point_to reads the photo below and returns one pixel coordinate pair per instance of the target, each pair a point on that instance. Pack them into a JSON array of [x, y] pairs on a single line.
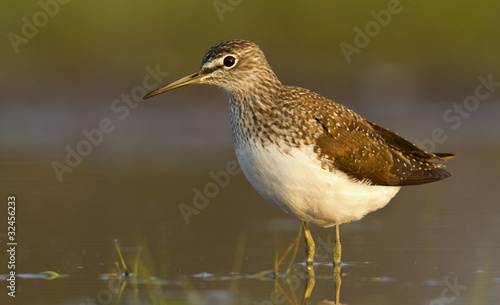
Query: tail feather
[[445, 156]]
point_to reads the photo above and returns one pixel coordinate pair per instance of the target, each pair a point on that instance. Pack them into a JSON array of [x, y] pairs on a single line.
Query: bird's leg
[[337, 251], [310, 247]]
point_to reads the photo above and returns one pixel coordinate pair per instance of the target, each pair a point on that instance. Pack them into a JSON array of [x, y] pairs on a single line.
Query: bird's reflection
[[308, 274], [311, 281]]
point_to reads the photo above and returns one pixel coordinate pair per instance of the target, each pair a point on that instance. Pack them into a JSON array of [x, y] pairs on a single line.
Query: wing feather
[[369, 152]]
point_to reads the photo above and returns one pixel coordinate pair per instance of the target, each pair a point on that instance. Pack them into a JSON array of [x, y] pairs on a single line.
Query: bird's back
[[341, 138], [364, 150]]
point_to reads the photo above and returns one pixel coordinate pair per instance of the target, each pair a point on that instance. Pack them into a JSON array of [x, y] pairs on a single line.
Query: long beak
[[194, 78]]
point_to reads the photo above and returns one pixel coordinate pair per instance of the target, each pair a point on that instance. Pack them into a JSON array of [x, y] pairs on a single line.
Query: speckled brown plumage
[[343, 140], [264, 110]]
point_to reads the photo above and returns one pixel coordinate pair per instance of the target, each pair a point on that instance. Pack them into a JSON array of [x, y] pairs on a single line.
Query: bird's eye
[[229, 61]]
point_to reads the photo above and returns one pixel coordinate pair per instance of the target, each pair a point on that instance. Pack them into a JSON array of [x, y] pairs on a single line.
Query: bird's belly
[[296, 183]]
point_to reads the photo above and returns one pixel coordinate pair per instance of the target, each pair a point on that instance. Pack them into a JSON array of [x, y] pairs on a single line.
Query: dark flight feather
[[368, 152]]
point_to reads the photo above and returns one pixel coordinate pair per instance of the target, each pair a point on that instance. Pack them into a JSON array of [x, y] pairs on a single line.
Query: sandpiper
[[310, 157]]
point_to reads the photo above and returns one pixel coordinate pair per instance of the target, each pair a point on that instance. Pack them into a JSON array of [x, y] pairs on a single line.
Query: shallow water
[[433, 244]]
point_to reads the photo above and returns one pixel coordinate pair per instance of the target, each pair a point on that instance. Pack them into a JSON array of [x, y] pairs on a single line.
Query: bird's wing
[[368, 152], [399, 143]]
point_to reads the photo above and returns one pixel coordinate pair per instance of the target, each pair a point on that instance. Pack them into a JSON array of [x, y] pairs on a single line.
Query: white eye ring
[[229, 61]]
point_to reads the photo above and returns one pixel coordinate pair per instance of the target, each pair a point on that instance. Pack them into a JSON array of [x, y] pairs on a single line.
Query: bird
[[310, 157]]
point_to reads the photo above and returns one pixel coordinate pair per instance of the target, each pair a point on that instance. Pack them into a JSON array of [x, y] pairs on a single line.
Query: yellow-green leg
[[337, 280], [337, 251], [310, 247]]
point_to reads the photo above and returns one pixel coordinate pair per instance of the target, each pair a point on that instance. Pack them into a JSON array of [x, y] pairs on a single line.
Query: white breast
[[296, 183]]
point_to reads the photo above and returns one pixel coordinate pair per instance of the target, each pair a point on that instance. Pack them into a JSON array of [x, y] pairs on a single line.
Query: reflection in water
[[119, 279], [310, 281], [320, 285]]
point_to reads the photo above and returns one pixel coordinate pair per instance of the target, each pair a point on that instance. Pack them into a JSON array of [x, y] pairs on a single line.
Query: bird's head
[[237, 67]]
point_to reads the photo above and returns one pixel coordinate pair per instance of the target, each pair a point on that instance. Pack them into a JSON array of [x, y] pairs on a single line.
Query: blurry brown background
[[68, 67]]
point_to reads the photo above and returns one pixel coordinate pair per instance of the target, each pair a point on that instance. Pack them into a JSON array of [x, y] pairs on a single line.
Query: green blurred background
[[66, 78], [89, 53]]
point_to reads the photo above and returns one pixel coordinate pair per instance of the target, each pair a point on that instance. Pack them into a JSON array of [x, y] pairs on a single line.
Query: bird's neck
[[254, 92], [259, 118]]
